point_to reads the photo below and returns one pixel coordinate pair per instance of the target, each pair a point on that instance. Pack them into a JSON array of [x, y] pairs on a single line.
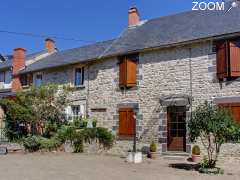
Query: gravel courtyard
[[64, 166]]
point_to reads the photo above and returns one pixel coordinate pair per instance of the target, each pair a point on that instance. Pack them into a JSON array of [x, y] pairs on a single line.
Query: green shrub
[[66, 133], [105, 137], [31, 143], [153, 147], [94, 123], [196, 150], [78, 143], [49, 144]]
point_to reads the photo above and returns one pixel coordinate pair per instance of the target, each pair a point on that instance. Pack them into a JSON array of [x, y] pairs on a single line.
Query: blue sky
[[91, 20]]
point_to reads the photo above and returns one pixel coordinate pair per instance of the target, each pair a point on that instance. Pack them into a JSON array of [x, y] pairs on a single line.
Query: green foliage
[[153, 147], [94, 123], [66, 133], [49, 144], [32, 143], [105, 137], [196, 150], [38, 105], [78, 142], [214, 126]]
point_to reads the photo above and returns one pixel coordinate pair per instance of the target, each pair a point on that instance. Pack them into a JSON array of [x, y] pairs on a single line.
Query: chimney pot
[[50, 44], [133, 17]]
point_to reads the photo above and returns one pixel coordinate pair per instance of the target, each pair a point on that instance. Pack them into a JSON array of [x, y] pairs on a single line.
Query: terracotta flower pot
[[196, 158], [153, 155]]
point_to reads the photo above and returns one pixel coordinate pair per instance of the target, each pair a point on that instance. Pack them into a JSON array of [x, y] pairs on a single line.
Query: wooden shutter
[[234, 109], [122, 72], [222, 60], [131, 72], [234, 54], [126, 122], [30, 79]]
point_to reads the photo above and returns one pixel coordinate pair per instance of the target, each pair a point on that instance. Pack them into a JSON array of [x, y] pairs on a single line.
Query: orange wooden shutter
[[30, 79], [222, 60], [234, 109], [126, 122], [131, 72], [122, 72], [234, 59]]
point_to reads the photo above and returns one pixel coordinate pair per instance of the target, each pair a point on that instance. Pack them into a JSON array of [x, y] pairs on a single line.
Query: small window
[[79, 77], [126, 122], [128, 71], [26, 79], [75, 112], [38, 80]]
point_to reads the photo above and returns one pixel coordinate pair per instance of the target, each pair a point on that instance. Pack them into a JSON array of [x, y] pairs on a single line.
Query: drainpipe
[[87, 101], [190, 77]]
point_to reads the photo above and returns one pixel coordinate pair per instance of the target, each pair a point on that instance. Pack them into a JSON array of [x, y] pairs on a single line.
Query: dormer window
[[228, 59], [128, 71]]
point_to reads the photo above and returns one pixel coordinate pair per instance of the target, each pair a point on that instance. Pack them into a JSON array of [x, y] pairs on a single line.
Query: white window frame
[[70, 113]]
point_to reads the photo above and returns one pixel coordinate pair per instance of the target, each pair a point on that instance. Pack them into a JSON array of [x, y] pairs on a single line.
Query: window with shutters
[[79, 77], [128, 71], [126, 122], [234, 110], [228, 59]]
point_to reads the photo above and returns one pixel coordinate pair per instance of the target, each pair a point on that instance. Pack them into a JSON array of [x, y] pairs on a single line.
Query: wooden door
[[234, 110], [176, 129]]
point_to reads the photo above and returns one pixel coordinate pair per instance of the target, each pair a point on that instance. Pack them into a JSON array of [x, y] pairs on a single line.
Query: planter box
[[134, 157]]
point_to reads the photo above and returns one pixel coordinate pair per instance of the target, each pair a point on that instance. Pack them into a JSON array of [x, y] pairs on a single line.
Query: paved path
[[92, 167]]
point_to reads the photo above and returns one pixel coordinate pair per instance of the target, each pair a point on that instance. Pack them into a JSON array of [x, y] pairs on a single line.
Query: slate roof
[[159, 32], [8, 59], [71, 56]]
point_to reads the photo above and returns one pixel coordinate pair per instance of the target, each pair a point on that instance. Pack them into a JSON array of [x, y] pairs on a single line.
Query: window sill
[[125, 138]]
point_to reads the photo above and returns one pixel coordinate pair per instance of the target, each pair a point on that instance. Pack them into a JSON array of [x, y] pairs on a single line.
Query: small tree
[[214, 126], [36, 108]]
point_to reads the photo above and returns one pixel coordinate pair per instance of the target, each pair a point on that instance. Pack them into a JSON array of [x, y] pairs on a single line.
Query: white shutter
[[82, 110], [68, 112]]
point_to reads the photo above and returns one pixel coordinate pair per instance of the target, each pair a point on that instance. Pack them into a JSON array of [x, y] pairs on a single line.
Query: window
[[79, 76], [228, 59], [2, 77], [126, 122], [128, 71], [26, 79], [75, 112], [234, 110], [38, 80]]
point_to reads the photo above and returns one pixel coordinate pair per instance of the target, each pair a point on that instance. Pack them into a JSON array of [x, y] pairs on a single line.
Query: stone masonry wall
[[160, 73]]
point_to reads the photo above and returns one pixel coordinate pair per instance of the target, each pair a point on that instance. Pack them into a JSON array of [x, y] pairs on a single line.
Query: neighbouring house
[[10, 65], [156, 72]]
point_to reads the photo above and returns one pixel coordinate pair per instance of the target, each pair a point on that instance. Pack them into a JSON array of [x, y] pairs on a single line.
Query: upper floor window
[[2, 77], [228, 59], [79, 76], [128, 71], [5, 79], [38, 80]]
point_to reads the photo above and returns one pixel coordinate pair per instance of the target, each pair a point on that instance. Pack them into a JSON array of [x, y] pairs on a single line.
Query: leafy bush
[[196, 150], [213, 126], [78, 142], [49, 144], [66, 133], [32, 143], [153, 147], [105, 137]]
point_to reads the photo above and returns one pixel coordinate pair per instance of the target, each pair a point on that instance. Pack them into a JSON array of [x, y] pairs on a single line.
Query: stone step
[[175, 155]]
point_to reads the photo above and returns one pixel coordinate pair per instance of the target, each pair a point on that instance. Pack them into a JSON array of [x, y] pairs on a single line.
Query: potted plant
[[196, 157], [153, 150]]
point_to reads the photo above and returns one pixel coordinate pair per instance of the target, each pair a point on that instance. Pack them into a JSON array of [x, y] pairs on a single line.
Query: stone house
[[156, 72]]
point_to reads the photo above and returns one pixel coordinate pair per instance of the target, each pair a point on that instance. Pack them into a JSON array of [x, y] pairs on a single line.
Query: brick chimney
[[50, 44], [18, 63], [133, 17]]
